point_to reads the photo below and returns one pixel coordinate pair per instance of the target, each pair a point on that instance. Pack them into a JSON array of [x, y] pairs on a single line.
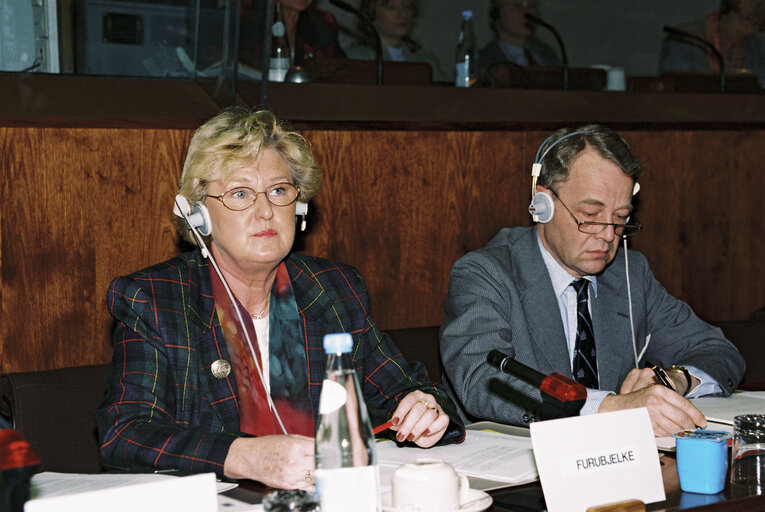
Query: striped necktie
[[585, 363]]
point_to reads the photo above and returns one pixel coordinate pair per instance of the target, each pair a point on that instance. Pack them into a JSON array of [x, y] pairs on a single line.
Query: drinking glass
[[747, 475]]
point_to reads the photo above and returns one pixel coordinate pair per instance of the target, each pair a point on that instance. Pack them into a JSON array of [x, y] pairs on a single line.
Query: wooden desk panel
[[86, 201]]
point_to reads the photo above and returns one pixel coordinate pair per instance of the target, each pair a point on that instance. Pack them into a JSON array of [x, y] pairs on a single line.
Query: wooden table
[[529, 498]]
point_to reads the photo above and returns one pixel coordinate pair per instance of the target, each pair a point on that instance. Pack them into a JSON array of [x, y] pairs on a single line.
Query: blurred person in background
[[311, 32], [515, 42], [735, 30], [393, 20]]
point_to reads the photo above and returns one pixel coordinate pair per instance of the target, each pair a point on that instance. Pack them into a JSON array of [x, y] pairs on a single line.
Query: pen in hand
[[663, 378], [385, 426]]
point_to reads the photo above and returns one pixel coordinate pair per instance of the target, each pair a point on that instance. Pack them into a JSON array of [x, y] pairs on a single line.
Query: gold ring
[[423, 402], [308, 475]]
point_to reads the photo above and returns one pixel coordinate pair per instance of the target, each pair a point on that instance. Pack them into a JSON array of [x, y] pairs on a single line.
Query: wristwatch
[[682, 369]]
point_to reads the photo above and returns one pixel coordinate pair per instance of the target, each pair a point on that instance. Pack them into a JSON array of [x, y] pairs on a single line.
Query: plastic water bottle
[[466, 59], [347, 476], [279, 63]]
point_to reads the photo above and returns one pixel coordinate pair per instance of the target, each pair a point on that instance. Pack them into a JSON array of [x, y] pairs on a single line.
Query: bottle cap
[[467, 14], [338, 343], [278, 29]]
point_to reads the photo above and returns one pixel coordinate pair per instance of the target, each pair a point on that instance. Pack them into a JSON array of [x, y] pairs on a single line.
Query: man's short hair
[[556, 164]]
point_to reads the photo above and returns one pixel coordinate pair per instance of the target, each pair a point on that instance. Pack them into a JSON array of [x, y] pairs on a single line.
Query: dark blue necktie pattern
[[585, 363]]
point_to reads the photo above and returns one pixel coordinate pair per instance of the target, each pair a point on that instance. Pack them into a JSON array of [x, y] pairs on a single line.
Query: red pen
[[385, 426]]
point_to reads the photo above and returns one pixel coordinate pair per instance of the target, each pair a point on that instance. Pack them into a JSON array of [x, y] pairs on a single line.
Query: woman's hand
[[282, 462], [419, 418]]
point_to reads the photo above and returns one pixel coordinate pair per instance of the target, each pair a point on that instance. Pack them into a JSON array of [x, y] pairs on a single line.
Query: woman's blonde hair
[[233, 139]]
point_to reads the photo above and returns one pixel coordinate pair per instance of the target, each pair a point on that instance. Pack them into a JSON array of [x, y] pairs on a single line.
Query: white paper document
[[485, 455], [724, 409], [720, 412], [592, 460]]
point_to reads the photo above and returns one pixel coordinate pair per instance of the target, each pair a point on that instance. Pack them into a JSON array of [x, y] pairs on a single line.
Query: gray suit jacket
[[501, 297], [492, 54]]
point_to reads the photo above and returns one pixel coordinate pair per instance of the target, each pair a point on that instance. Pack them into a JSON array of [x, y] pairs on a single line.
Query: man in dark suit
[[515, 42], [553, 297]]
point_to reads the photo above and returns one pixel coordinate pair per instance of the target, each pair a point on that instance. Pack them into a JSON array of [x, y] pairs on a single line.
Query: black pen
[[663, 378]]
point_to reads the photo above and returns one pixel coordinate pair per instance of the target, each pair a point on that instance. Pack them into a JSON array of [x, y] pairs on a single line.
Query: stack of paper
[[484, 455]]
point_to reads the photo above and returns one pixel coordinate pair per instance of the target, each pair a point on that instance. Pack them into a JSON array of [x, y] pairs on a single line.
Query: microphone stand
[[688, 38], [266, 56], [536, 20], [367, 23]]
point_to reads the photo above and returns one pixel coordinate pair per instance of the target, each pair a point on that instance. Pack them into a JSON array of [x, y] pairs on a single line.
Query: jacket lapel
[[204, 327], [610, 318], [540, 306]]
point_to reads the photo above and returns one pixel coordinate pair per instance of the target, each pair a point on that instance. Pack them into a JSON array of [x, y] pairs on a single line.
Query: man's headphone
[[542, 207], [198, 217]]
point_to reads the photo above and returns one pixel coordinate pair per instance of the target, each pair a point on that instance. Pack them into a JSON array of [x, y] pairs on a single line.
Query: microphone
[[561, 396], [367, 23], [687, 37], [536, 20]]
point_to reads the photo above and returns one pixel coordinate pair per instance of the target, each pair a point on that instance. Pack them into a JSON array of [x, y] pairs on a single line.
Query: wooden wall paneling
[[660, 205], [699, 202], [47, 249], [740, 278], [138, 200], [401, 205], [419, 201]]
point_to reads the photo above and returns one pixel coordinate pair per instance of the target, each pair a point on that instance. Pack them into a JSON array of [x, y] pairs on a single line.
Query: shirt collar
[[558, 275]]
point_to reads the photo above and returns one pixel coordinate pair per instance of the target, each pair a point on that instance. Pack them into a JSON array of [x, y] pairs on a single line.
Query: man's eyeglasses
[[241, 198], [593, 228]]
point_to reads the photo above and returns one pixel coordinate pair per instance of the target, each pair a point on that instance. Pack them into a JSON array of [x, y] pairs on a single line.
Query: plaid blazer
[[164, 410]]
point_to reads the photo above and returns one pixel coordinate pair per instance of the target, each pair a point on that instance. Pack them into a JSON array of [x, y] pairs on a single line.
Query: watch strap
[[682, 369]]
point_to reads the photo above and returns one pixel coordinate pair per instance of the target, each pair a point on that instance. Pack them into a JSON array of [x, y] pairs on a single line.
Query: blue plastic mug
[[702, 460]]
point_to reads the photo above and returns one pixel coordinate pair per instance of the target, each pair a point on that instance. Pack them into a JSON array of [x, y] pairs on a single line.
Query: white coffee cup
[[428, 485], [615, 77]]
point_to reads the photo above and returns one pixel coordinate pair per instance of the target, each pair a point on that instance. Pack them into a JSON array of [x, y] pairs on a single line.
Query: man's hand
[[639, 379], [669, 412]]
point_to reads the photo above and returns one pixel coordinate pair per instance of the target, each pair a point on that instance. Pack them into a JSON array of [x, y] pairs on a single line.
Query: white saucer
[[475, 501]]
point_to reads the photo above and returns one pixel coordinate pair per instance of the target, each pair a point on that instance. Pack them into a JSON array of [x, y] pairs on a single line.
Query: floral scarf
[[288, 370]]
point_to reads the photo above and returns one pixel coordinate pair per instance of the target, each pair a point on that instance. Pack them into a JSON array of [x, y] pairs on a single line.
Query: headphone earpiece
[[197, 216], [302, 210], [542, 207]]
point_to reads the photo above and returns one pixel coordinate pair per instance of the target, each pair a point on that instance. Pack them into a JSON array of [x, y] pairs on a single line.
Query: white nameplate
[[597, 459]]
